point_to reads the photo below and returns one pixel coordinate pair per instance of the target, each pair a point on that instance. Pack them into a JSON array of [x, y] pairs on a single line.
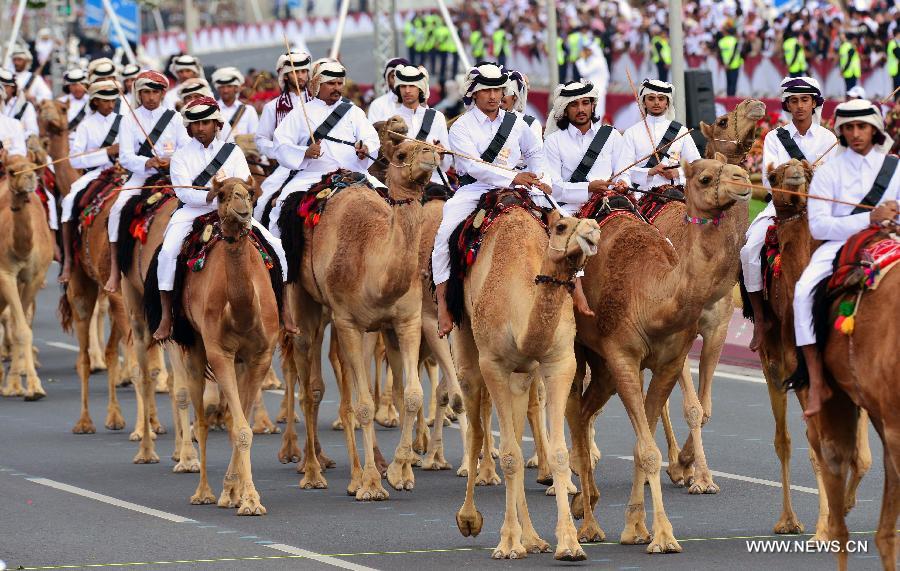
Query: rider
[[240, 117], [425, 124], [386, 106]]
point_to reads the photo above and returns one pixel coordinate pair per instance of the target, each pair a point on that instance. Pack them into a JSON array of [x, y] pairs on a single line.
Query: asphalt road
[[76, 501]]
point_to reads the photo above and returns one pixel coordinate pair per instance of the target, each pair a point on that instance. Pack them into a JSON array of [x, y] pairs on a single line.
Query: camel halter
[[741, 146], [569, 284], [716, 219], [409, 173]]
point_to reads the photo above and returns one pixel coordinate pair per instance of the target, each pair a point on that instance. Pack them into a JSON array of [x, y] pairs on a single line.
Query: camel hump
[[604, 206]]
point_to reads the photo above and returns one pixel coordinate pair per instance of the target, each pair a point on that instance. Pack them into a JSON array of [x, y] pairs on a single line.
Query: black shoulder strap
[[213, 167], [332, 120], [669, 136], [590, 156], [21, 112], [496, 144], [113, 132], [873, 197], [237, 116], [76, 120], [427, 121], [154, 135], [529, 120], [789, 144], [28, 83], [118, 105]]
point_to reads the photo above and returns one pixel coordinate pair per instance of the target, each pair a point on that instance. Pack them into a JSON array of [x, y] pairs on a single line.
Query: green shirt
[[794, 55], [574, 42], [728, 47], [501, 44], [476, 41], [661, 50], [893, 62], [849, 60]]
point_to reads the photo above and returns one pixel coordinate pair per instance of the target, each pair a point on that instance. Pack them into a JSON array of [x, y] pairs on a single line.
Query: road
[[76, 501]]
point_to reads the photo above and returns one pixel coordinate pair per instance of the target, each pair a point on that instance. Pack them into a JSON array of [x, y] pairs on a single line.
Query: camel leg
[[647, 461], [118, 328], [420, 442], [537, 419], [702, 482], [240, 396], [159, 376], [428, 363], [98, 357], [351, 346], [675, 470], [487, 470], [714, 334], [182, 395], [532, 542], [387, 413], [187, 368], [315, 372], [886, 537], [308, 350], [861, 461], [33, 388], [348, 419], [445, 394], [82, 295], [289, 373], [583, 502], [409, 335], [290, 450], [468, 519], [262, 424], [813, 438], [22, 365], [334, 359], [788, 523]]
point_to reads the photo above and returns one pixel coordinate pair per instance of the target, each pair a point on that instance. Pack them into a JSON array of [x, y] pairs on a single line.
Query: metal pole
[[14, 34], [117, 26], [158, 21], [395, 43], [552, 46], [257, 13], [338, 36], [676, 42], [190, 25], [463, 56]]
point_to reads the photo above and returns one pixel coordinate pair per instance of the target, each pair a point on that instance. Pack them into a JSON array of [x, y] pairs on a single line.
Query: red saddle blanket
[[651, 205], [605, 206], [144, 207]]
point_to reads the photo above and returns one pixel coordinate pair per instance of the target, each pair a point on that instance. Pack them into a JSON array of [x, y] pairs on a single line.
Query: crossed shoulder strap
[[790, 145], [873, 197], [333, 119], [590, 156], [669, 136], [213, 167], [156, 133]]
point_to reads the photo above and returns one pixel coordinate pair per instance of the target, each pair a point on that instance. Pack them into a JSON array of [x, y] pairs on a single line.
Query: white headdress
[[864, 111], [185, 62], [20, 51], [227, 76], [101, 69], [325, 70], [658, 87], [300, 61], [411, 75], [486, 75], [517, 85], [201, 109], [565, 94], [104, 89], [803, 86], [194, 86]]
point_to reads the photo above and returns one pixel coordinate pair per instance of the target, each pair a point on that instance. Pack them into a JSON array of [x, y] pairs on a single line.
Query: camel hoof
[[39, 394], [514, 553], [188, 467], [545, 480], [703, 486], [138, 435], [12, 393], [396, 478], [469, 526], [570, 555], [591, 533], [788, 526], [147, 458], [487, 478], [664, 542], [159, 429], [114, 422], [372, 495], [313, 482], [84, 427], [337, 424], [203, 498], [577, 506], [436, 463], [251, 507], [536, 545]]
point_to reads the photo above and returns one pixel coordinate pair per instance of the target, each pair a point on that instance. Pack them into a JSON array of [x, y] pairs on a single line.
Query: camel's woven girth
[[605, 206], [652, 205]]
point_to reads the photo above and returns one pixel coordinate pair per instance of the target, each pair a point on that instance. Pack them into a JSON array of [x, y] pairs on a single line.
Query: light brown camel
[[54, 125], [360, 261], [76, 309], [777, 351], [233, 309], [731, 134], [26, 249], [396, 124], [514, 330], [650, 325], [862, 371]]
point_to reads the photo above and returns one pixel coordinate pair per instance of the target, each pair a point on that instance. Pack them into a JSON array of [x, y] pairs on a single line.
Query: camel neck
[[239, 289], [23, 234]]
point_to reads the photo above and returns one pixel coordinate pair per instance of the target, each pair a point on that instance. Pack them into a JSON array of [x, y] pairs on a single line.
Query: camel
[[76, 307], [360, 261], [732, 135], [861, 370], [54, 125], [777, 352], [396, 124], [650, 325], [233, 309], [26, 250], [518, 325]]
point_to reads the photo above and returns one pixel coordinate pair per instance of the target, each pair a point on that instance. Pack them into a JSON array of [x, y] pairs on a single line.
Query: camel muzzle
[[588, 243]]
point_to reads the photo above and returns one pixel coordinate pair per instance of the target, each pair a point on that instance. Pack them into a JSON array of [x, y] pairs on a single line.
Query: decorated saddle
[[859, 266], [605, 206], [651, 205], [434, 191], [46, 187], [466, 240], [138, 215], [91, 200]]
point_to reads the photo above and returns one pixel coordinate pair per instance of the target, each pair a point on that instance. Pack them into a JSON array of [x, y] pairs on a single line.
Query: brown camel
[[777, 351], [360, 261], [862, 371], [54, 125], [732, 135], [650, 325], [386, 150], [232, 307], [516, 329], [26, 250], [77, 307]]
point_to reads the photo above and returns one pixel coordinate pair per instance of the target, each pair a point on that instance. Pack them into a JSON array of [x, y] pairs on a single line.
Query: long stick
[[37, 167], [161, 186], [891, 96], [833, 145], [138, 121], [796, 193], [443, 150], [637, 100], [287, 46], [642, 159]]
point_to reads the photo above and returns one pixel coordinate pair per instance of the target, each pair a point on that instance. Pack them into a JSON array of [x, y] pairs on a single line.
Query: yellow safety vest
[[849, 60], [476, 40], [664, 52], [728, 47], [500, 43], [794, 55], [409, 34], [444, 40], [560, 51], [893, 62], [574, 41]]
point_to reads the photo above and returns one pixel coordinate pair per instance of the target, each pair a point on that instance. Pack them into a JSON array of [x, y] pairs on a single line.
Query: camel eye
[[402, 156], [560, 228], [723, 122], [705, 179]]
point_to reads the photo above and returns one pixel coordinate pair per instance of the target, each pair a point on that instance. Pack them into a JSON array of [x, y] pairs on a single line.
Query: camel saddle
[[44, 190], [604, 206], [90, 201], [651, 205], [312, 206], [143, 207], [466, 240], [435, 191], [859, 266]]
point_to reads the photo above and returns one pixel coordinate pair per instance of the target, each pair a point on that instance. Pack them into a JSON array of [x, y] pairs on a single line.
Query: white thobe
[[847, 177], [265, 129], [90, 135], [246, 125], [638, 145], [12, 137], [74, 108], [28, 120], [38, 89], [383, 107], [437, 134]]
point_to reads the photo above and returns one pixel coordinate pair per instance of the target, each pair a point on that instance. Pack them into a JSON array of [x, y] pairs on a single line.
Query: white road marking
[[749, 479], [61, 345], [735, 376], [110, 500], [327, 560]]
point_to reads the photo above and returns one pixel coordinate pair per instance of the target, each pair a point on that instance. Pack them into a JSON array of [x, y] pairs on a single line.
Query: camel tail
[[65, 312], [286, 345]]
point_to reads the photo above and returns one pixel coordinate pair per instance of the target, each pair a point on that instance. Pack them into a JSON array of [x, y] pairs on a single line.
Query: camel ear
[[553, 217], [707, 130], [213, 191], [252, 187], [721, 158]]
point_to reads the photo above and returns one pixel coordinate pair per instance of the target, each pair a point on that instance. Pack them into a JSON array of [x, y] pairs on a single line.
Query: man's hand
[[545, 188], [158, 163], [3, 154], [112, 151], [362, 151], [526, 179], [885, 211], [314, 151], [599, 185]]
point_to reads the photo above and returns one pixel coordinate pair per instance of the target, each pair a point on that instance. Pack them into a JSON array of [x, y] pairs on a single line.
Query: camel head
[[572, 240], [52, 117], [733, 133], [411, 163], [793, 175], [21, 184], [713, 186], [387, 140], [235, 204]]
